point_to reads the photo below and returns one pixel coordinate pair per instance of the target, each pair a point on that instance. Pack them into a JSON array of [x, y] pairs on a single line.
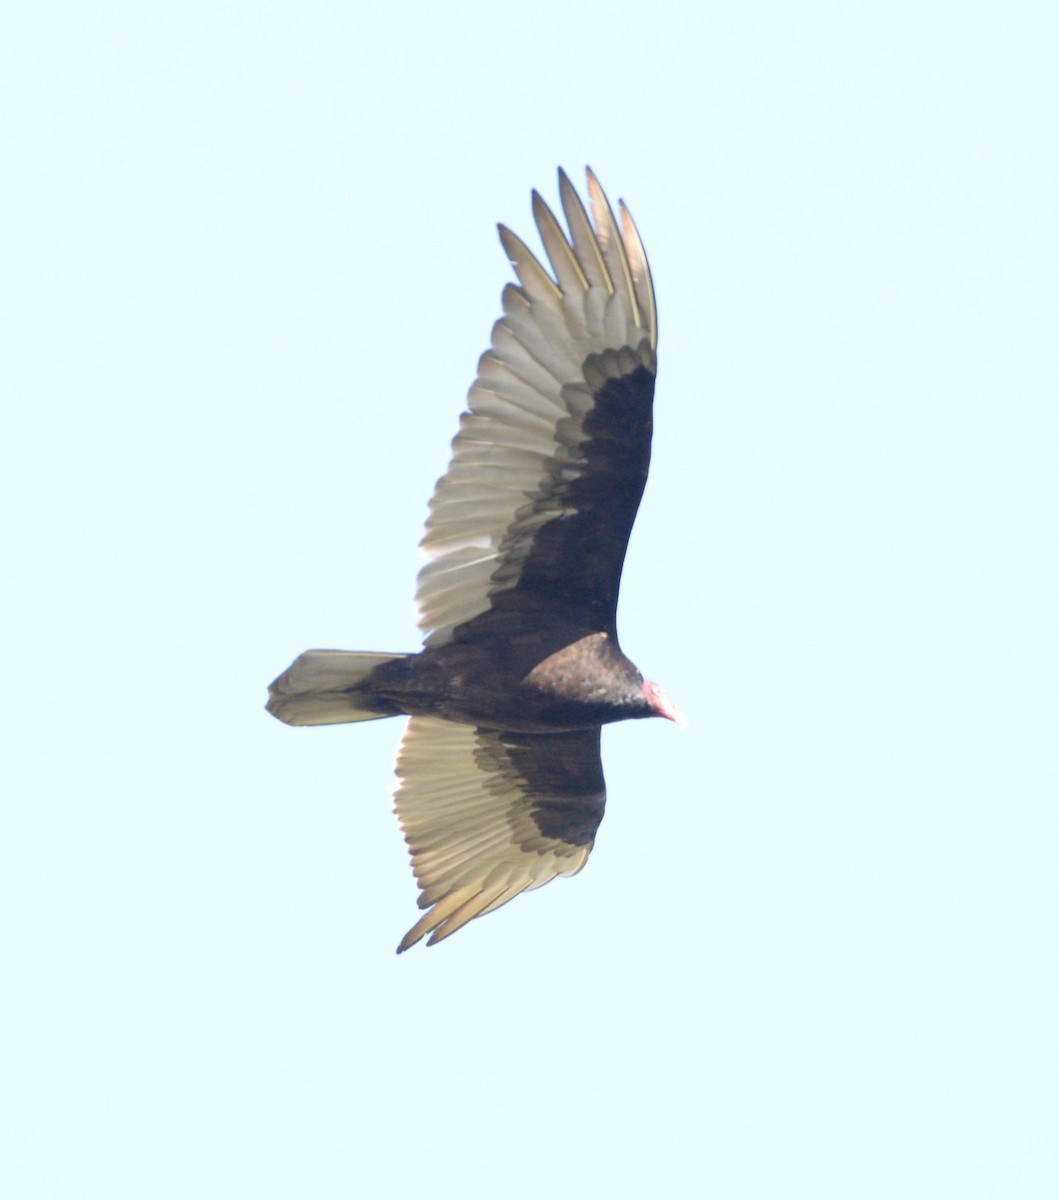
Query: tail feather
[[320, 688]]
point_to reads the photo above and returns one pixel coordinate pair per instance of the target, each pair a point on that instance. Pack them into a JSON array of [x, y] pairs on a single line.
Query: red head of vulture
[[499, 781]]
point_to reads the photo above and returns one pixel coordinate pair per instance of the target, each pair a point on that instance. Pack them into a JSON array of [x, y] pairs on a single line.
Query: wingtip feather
[[611, 243]]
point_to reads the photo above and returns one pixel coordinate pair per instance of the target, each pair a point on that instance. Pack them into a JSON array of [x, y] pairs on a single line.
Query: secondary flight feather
[[499, 780]]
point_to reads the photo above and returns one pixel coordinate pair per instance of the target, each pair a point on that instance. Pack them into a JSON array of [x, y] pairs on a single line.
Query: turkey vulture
[[499, 781]]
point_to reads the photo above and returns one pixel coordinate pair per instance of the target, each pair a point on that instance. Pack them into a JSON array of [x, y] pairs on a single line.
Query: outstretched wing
[[488, 815], [534, 513]]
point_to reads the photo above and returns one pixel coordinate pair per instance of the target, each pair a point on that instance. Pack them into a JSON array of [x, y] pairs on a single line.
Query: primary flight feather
[[499, 780]]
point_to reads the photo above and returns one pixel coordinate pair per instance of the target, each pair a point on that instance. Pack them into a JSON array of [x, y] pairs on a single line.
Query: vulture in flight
[[499, 780]]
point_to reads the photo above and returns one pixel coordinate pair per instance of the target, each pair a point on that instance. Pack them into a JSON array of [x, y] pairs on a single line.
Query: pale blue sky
[[249, 263]]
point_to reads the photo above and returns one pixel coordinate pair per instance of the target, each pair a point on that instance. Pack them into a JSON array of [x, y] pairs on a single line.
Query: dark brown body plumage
[[534, 681]]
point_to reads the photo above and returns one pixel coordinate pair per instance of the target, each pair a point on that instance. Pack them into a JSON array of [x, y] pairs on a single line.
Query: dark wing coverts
[[488, 815], [547, 470]]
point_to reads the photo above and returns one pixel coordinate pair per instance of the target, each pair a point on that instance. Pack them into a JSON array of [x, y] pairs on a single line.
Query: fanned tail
[[326, 687]]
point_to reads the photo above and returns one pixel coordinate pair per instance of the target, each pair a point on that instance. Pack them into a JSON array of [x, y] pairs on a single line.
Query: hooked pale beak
[[661, 705]]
